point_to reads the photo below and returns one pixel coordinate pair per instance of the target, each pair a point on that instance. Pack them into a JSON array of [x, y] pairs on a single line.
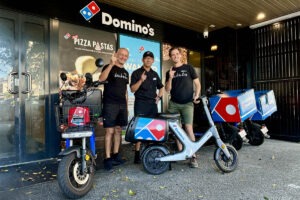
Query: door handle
[[11, 80], [29, 82]]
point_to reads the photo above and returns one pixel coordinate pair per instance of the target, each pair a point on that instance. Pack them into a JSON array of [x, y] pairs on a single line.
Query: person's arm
[[160, 87], [197, 89], [161, 92], [104, 74], [134, 87], [169, 78], [169, 85], [159, 95]]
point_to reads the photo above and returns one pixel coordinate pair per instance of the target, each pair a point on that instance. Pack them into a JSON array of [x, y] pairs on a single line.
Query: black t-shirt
[[182, 84], [115, 89], [147, 90]]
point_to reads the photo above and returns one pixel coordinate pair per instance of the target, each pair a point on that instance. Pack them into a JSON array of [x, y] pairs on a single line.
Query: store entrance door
[[23, 87]]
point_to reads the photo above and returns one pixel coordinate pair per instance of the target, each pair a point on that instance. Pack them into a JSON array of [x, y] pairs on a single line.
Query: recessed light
[[212, 26], [276, 25], [260, 16], [239, 24], [214, 47]]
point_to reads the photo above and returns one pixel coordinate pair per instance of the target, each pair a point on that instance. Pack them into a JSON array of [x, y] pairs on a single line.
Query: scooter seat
[[169, 115]]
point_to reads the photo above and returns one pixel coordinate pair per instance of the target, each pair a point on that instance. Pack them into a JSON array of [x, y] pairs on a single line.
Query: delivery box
[[233, 105], [147, 129], [266, 104]]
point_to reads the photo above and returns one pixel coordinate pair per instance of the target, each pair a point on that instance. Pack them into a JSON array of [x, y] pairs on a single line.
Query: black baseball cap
[[148, 53]]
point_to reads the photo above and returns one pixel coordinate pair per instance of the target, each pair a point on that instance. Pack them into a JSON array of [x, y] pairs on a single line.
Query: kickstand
[[170, 166]]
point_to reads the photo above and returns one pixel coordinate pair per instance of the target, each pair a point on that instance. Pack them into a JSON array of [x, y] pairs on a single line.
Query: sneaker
[[193, 163], [117, 160], [107, 164], [137, 159]]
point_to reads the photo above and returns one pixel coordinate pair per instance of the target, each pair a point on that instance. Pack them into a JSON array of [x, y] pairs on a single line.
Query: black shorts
[[145, 109], [114, 115]]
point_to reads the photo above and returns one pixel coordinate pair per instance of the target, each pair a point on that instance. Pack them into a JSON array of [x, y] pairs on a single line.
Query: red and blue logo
[[150, 129], [90, 10]]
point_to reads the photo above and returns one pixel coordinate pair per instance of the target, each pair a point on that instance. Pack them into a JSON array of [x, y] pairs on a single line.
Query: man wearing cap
[[144, 84]]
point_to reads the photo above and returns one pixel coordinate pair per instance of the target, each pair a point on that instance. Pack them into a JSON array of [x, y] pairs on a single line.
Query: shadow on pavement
[[27, 174]]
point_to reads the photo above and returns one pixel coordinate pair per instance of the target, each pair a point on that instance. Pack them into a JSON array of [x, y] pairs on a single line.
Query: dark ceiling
[[200, 15]]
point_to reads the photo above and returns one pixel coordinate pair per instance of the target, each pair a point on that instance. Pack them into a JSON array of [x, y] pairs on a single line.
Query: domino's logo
[[90, 10]]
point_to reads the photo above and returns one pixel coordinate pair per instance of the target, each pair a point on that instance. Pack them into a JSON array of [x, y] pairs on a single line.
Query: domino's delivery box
[[266, 104], [233, 105], [147, 129]]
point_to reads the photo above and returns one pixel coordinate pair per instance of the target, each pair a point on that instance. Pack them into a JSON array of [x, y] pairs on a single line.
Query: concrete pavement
[[269, 171]]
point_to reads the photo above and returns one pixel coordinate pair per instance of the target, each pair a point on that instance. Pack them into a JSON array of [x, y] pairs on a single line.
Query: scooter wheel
[[151, 165], [225, 164], [71, 181]]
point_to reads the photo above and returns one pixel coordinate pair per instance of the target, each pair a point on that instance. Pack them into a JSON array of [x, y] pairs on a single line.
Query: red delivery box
[[233, 105]]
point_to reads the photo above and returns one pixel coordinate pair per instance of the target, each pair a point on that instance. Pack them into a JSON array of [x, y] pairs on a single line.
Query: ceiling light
[[212, 26], [276, 25], [260, 16], [292, 15], [239, 24], [214, 47]]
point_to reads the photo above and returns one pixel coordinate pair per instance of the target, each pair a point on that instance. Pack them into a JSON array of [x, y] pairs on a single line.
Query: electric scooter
[[228, 132], [156, 157], [76, 120]]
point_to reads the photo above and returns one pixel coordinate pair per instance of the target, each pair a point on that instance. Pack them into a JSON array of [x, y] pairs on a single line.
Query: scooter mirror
[[99, 62], [63, 76]]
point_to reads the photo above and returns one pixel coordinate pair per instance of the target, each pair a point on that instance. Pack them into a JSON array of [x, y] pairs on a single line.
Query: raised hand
[[143, 76], [113, 59], [171, 73]]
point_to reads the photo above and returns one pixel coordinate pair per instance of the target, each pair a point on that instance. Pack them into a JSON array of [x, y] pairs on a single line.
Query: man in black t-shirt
[[144, 83], [115, 113], [184, 85]]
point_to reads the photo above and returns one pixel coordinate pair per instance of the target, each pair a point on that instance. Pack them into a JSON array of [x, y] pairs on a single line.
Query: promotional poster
[[79, 47]]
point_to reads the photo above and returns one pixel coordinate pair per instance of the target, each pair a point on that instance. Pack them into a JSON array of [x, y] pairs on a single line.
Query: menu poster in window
[[79, 47]]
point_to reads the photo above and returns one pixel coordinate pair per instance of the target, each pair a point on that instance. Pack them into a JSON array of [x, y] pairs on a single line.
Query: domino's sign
[[90, 10], [107, 19]]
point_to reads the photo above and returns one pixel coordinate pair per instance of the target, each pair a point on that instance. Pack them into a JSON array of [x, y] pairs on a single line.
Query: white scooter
[[156, 156]]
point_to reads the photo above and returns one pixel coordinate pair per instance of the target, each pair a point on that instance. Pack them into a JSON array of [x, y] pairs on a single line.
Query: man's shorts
[[186, 111], [115, 115]]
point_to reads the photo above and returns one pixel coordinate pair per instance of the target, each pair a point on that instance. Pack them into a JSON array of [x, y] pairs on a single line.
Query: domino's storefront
[[37, 44]]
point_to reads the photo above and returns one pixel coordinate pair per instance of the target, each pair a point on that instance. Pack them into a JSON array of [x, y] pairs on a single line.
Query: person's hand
[[143, 76], [171, 73], [157, 99], [113, 59], [196, 99]]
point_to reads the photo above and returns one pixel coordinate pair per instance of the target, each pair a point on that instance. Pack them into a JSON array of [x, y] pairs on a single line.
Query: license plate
[[242, 133], [264, 130]]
